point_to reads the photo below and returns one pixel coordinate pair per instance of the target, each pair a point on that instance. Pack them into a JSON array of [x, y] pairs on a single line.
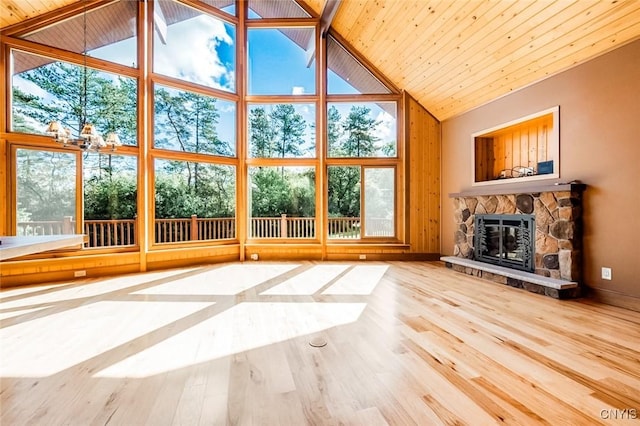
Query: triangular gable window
[[346, 75], [111, 33], [266, 9], [227, 6]]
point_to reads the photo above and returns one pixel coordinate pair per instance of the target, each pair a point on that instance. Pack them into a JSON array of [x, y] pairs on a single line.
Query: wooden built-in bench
[[556, 288]]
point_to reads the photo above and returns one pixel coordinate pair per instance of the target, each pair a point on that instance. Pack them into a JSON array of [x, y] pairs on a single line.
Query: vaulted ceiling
[[455, 55]]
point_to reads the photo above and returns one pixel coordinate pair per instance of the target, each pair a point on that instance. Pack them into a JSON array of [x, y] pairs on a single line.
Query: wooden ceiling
[[455, 55]]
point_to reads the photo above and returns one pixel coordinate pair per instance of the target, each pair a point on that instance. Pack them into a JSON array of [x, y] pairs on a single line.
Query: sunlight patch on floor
[[91, 289], [25, 291], [245, 326], [16, 313], [71, 337], [226, 280], [361, 280], [308, 282]]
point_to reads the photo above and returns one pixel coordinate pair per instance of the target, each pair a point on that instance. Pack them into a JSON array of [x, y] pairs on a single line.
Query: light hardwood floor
[[407, 343]]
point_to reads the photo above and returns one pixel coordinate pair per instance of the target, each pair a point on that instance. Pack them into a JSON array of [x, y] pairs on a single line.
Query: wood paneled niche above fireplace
[[521, 150]]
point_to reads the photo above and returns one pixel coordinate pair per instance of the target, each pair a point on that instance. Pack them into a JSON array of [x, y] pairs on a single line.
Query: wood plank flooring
[[408, 343]]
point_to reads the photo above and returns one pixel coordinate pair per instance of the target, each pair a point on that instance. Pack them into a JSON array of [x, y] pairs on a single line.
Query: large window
[[350, 215], [202, 124], [193, 201], [110, 199], [55, 91], [193, 46], [282, 201], [45, 192], [190, 122], [364, 129], [278, 62], [282, 130]]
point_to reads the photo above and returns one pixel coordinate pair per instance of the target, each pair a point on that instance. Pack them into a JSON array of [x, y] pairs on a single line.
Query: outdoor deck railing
[[122, 232], [194, 229], [110, 233], [344, 227]]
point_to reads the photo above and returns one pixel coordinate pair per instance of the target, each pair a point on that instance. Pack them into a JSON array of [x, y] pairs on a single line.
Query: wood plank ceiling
[[455, 55]]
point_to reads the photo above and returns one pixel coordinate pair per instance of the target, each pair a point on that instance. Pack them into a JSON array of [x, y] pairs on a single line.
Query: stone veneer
[[558, 216]]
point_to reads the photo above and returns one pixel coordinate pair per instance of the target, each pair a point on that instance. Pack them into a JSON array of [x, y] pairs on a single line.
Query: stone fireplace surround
[[558, 238]]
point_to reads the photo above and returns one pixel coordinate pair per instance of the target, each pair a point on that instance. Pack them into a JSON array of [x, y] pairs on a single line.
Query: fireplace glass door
[[506, 240]]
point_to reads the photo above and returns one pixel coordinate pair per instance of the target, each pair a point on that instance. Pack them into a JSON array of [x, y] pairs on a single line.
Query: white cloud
[[386, 126], [297, 90], [190, 52]]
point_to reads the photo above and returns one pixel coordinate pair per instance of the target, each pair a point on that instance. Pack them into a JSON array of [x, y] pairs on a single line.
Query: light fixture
[[90, 139]]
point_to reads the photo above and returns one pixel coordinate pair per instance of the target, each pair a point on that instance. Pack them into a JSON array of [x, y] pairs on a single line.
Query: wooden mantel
[[517, 189], [12, 246]]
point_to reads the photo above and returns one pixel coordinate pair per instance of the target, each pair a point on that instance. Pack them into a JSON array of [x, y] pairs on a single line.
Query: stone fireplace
[[556, 212]]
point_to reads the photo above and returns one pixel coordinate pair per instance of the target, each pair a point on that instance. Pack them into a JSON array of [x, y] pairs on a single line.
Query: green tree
[[110, 187], [288, 130], [271, 193], [334, 131], [178, 197], [361, 142], [344, 191], [45, 184], [261, 134], [279, 133]]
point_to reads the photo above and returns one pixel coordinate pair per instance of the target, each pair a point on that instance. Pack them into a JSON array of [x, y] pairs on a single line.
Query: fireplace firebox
[[506, 240]]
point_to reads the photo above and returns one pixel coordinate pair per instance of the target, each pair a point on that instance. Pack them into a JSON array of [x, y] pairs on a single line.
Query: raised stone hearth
[[558, 220], [558, 289]]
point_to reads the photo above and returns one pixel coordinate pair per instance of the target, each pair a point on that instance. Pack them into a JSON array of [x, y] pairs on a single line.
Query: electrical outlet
[[254, 256], [363, 257], [82, 273], [606, 273]]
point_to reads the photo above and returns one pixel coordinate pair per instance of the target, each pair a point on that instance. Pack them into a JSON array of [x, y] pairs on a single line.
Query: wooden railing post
[[67, 228], [194, 227], [283, 226]]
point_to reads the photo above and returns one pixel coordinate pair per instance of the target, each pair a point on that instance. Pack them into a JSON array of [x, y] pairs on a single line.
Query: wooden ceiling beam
[[326, 18]]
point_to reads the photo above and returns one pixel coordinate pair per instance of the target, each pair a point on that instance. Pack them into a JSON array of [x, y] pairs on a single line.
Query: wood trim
[[67, 275], [322, 176], [176, 83], [281, 22], [191, 156], [211, 10], [400, 184], [362, 161], [242, 170], [279, 99], [365, 98], [277, 162], [406, 161], [5, 120], [79, 194], [145, 130], [614, 298], [307, 9]]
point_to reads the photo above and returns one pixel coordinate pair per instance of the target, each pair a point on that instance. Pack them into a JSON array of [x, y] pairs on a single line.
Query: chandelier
[[90, 139]]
